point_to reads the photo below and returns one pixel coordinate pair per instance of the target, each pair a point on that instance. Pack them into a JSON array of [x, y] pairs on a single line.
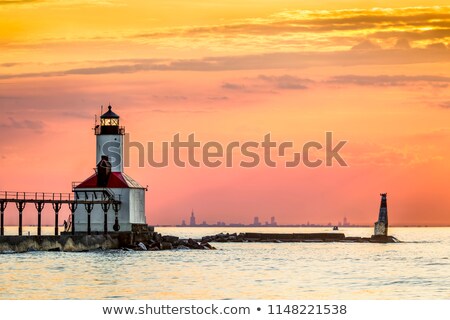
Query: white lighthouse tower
[[109, 180]]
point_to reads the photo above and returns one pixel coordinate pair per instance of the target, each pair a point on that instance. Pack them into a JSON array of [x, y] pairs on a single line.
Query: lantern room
[[110, 140], [109, 123]]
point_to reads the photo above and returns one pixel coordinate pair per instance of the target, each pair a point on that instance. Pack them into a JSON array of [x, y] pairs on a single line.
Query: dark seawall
[[296, 237], [152, 240]]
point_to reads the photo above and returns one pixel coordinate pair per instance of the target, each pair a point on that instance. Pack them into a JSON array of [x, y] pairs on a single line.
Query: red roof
[[116, 180]]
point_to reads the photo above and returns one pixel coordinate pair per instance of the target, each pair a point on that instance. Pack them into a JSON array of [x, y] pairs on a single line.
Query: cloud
[[9, 97], [437, 46], [413, 35], [11, 2], [267, 84], [8, 64], [170, 97], [169, 111], [122, 68], [286, 82], [283, 31], [218, 98], [73, 114], [445, 105], [264, 61], [34, 125], [310, 21], [402, 44], [57, 3], [233, 86], [388, 80], [309, 28], [366, 45]]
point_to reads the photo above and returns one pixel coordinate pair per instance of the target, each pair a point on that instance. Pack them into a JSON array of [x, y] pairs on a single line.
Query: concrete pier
[[292, 237], [78, 242], [297, 237]]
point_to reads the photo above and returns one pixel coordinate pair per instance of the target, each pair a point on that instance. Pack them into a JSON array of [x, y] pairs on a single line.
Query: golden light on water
[[415, 269]]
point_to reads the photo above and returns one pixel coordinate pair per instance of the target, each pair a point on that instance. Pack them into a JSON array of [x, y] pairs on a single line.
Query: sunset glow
[[375, 75]]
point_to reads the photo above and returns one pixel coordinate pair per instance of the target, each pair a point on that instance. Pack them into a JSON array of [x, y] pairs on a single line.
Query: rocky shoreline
[[154, 241], [160, 242]]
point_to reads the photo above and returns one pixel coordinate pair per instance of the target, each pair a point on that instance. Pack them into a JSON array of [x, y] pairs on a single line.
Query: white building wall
[[132, 210], [137, 206]]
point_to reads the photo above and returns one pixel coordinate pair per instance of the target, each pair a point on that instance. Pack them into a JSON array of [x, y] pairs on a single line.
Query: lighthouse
[[381, 226], [110, 182]]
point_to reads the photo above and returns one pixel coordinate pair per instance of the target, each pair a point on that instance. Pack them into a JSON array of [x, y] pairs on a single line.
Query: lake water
[[418, 268]]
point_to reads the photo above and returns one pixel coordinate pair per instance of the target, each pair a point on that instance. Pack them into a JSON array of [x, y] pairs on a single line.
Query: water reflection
[[416, 269]]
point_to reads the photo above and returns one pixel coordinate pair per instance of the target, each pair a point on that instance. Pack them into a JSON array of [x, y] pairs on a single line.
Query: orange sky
[[375, 75]]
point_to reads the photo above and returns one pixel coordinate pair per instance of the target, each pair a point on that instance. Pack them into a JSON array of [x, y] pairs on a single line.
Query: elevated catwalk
[[103, 197]]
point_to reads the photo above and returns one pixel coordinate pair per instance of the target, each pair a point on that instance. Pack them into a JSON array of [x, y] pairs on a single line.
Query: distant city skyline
[[257, 223]]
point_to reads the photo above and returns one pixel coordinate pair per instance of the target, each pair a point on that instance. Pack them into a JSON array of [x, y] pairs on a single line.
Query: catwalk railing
[[102, 196]]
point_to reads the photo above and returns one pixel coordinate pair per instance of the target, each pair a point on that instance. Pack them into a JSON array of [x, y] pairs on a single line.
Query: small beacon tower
[[109, 180], [381, 226]]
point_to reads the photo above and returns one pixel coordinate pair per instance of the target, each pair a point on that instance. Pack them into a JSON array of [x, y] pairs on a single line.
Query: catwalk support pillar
[[56, 207], [20, 206], [105, 207], [89, 207], [39, 208], [2, 217], [73, 207]]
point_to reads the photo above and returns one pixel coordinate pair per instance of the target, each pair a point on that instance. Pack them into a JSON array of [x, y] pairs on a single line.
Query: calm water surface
[[419, 268]]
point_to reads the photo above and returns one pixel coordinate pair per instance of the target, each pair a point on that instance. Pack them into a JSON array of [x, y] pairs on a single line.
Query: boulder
[[157, 237], [166, 246], [155, 245], [206, 245], [182, 243], [142, 246], [194, 244], [208, 239], [170, 239]]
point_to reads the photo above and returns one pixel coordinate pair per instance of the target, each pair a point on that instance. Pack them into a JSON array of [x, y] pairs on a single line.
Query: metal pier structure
[[104, 197]]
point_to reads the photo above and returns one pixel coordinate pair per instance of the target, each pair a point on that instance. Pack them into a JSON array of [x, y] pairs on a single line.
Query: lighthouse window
[[109, 122]]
